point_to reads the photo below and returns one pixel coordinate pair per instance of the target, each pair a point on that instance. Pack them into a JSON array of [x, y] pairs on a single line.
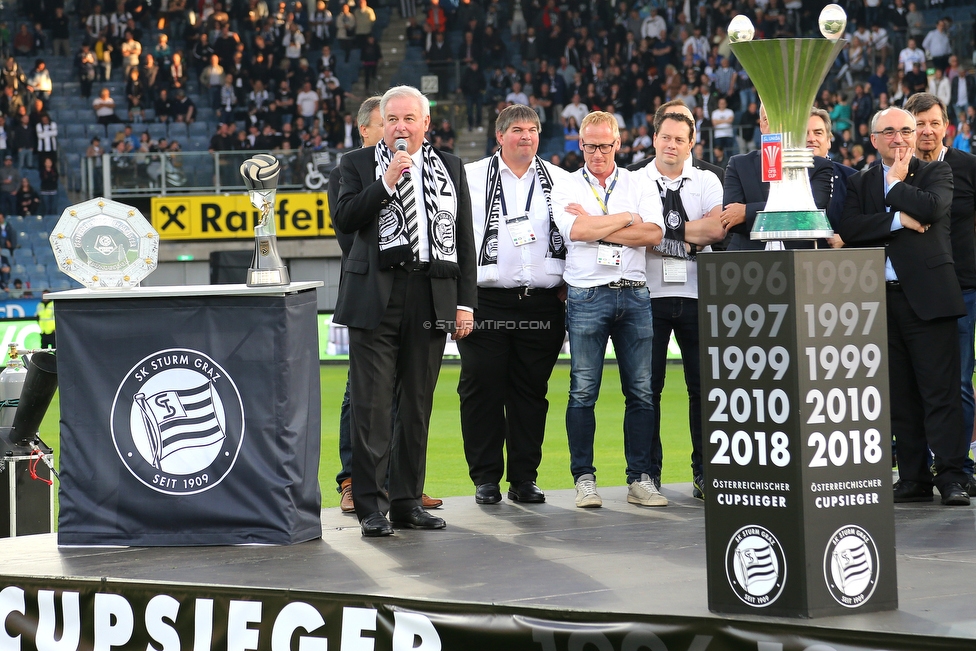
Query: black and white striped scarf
[[488, 255], [441, 202]]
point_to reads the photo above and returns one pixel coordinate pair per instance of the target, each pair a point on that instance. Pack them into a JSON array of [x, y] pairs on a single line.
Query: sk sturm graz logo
[[178, 422], [755, 566], [673, 220], [851, 566]]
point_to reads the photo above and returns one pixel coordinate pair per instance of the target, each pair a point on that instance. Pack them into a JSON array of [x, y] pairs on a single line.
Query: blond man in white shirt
[[607, 216]]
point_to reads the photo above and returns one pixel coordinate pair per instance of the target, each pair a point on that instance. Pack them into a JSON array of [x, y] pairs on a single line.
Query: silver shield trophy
[[261, 178]]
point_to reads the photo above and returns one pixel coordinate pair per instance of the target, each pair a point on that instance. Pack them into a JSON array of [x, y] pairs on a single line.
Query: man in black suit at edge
[[903, 204], [746, 194], [370, 124], [409, 276], [932, 120]]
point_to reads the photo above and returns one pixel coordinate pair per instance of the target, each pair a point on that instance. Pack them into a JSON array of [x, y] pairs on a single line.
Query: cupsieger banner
[[189, 421], [74, 615]]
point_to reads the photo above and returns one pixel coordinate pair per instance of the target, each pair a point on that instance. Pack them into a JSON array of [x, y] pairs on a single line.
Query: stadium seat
[[178, 131], [156, 130], [33, 222], [200, 128], [73, 129], [17, 222], [67, 117], [92, 130]]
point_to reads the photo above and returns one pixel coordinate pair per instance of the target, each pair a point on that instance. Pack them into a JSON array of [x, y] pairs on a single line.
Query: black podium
[[797, 440], [189, 416]]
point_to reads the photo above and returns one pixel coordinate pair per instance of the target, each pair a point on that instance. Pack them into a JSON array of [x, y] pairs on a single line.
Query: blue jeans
[[967, 331], [678, 315], [594, 315]]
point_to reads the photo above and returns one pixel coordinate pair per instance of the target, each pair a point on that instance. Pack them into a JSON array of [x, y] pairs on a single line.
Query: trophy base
[[267, 277], [791, 225], [266, 267]]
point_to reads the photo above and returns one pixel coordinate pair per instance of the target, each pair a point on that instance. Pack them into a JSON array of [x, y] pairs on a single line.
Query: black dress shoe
[[487, 494], [971, 487], [418, 518], [954, 495], [912, 491], [526, 491], [375, 525]]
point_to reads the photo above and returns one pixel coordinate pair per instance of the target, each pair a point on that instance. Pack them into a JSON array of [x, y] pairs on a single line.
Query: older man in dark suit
[[746, 194], [903, 204], [370, 125], [410, 275], [932, 121]]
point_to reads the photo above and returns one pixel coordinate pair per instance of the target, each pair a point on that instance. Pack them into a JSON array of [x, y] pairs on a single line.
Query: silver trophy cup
[[261, 178]]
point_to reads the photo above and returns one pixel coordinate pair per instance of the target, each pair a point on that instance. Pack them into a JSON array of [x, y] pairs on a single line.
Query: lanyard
[[528, 201], [603, 202]]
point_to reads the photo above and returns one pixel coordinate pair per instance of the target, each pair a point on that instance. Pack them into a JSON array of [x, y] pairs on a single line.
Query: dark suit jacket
[[838, 192], [962, 215], [700, 164], [365, 288], [744, 184], [922, 261], [345, 241]]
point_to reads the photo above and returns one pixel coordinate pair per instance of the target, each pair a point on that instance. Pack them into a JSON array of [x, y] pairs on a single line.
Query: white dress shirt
[[631, 193], [700, 193], [518, 266]]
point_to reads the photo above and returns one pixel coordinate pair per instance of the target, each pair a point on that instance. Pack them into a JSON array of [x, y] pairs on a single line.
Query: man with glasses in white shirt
[[607, 218]]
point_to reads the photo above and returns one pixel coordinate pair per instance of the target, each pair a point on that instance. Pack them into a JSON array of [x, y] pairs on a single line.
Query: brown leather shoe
[[431, 502], [345, 499]]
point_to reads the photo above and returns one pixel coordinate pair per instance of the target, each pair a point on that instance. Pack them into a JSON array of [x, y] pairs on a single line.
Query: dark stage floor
[[620, 558]]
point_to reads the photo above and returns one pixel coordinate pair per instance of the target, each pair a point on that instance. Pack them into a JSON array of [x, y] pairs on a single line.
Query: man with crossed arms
[[607, 217], [692, 206]]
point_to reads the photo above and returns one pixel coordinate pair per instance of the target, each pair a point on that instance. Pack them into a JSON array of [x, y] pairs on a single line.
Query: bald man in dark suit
[[903, 205]]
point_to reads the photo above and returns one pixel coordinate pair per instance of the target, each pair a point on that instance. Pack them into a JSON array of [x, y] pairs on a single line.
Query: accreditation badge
[[520, 229], [675, 270], [608, 254]]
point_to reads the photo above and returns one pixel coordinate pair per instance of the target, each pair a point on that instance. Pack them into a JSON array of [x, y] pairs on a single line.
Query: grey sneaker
[[645, 493], [698, 487], [586, 495]]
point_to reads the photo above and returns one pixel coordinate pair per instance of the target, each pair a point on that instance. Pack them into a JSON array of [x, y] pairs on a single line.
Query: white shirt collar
[[686, 172], [592, 177], [503, 167]]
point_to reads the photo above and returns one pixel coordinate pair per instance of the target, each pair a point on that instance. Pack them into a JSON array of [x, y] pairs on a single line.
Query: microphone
[[401, 145]]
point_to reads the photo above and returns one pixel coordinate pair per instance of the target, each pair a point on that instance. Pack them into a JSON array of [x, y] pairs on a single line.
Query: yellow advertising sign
[[222, 217]]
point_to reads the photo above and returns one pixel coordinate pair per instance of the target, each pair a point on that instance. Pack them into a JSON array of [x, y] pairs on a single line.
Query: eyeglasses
[[604, 149], [889, 133]]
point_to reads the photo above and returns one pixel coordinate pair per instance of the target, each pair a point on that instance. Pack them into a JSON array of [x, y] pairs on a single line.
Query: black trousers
[[402, 355], [926, 403], [506, 363]]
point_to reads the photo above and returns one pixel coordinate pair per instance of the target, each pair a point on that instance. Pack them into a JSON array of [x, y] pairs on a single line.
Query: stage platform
[[597, 573]]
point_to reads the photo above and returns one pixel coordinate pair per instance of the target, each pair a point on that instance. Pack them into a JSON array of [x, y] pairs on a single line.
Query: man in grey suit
[[409, 277]]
